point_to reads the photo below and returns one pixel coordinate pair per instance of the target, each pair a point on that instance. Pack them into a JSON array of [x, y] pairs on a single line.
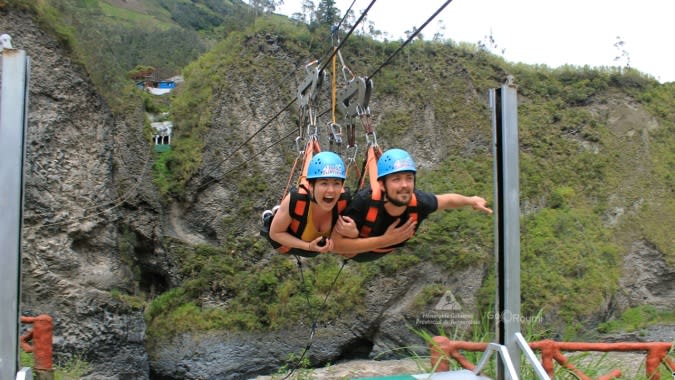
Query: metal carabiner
[[312, 133], [335, 131], [352, 158], [298, 147]]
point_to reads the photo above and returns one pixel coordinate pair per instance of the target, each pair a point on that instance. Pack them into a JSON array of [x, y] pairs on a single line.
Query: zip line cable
[[229, 155], [121, 200], [412, 36], [363, 15], [243, 164], [116, 203]]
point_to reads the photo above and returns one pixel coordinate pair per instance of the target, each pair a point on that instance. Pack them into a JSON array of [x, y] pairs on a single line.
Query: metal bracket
[[353, 100], [531, 357], [307, 90], [503, 353]]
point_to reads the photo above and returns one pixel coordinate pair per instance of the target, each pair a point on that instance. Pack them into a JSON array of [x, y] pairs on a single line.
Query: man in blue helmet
[[389, 216]]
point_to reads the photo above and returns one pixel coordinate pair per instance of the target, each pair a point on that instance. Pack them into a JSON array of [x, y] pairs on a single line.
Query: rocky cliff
[[82, 177], [95, 231]]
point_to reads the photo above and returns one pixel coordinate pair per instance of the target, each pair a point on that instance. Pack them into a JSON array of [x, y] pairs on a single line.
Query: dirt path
[[355, 369]]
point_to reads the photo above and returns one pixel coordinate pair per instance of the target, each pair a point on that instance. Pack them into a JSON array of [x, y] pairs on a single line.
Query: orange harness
[[299, 209], [376, 201]]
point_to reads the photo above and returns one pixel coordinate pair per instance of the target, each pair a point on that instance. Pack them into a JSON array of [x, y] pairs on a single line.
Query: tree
[[265, 6], [327, 12], [438, 36], [624, 56], [489, 44], [308, 11]]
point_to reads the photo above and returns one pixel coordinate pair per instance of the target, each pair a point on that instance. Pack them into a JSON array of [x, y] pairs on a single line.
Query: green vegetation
[[73, 369], [592, 180], [638, 318], [270, 297]]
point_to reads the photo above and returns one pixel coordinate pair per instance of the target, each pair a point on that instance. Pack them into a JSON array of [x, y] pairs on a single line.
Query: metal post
[[504, 103], [14, 69]]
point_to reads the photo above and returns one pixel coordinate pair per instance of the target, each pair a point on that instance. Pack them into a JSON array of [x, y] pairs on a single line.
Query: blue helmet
[[395, 161], [326, 165]]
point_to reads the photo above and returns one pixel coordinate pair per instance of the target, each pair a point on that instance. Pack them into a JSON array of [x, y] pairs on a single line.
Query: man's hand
[[399, 234], [480, 204], [346, 227]]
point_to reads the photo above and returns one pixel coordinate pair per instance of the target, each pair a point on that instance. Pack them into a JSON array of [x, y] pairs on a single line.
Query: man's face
[[400, 187]]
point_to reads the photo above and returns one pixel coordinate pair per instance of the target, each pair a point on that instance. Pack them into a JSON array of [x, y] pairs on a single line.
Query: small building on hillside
[[159, 87], [162, 136]]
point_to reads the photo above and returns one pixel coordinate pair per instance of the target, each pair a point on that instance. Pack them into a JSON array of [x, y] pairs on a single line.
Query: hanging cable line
[[363, 15], [412, 36], [269, 122], [229, 155], [119, 201]]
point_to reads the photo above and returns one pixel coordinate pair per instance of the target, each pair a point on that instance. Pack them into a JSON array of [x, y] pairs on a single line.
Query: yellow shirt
[[310, 233]]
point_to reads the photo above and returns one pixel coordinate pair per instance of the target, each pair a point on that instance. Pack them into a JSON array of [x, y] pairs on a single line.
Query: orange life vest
[[371, 221], [299, 209]]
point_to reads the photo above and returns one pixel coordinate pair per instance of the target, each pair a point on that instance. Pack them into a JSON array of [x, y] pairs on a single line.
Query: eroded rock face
[[71, 262], [94, 227], [647, 279]]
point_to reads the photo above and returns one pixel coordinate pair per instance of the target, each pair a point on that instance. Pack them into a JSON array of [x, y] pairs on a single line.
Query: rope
[[309, 306]]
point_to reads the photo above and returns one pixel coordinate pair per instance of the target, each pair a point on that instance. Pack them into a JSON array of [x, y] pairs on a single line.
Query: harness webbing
[[299, 210]]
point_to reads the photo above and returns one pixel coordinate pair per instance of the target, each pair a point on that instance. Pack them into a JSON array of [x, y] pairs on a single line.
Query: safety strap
[[373, 153]]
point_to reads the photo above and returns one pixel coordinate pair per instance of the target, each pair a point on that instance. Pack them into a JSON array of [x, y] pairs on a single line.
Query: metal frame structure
[[504, 104], [531, 357], [14, 74]]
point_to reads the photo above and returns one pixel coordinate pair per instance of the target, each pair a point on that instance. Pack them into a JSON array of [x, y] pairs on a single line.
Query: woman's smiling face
[[327, 192]]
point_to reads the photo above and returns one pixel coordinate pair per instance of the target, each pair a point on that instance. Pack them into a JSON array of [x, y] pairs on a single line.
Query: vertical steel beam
[[504, 103], [14, 67]]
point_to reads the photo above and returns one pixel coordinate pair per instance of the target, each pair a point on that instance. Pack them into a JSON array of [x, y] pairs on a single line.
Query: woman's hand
[[320, 244]]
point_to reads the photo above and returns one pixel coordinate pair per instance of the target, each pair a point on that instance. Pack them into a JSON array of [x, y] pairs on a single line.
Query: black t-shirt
[[358, 208]]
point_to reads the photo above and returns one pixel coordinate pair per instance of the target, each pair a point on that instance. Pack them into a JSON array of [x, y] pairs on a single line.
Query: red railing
[[41, 337], [442, 349]]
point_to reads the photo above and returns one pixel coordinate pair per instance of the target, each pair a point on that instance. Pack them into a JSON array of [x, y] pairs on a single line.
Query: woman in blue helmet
[[395, 205], [305, 219]]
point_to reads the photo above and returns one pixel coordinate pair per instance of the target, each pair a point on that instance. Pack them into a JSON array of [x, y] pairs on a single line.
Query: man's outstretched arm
[[451, 200]]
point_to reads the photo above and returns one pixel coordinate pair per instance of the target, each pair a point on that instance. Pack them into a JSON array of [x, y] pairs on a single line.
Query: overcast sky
[[577, 32]]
